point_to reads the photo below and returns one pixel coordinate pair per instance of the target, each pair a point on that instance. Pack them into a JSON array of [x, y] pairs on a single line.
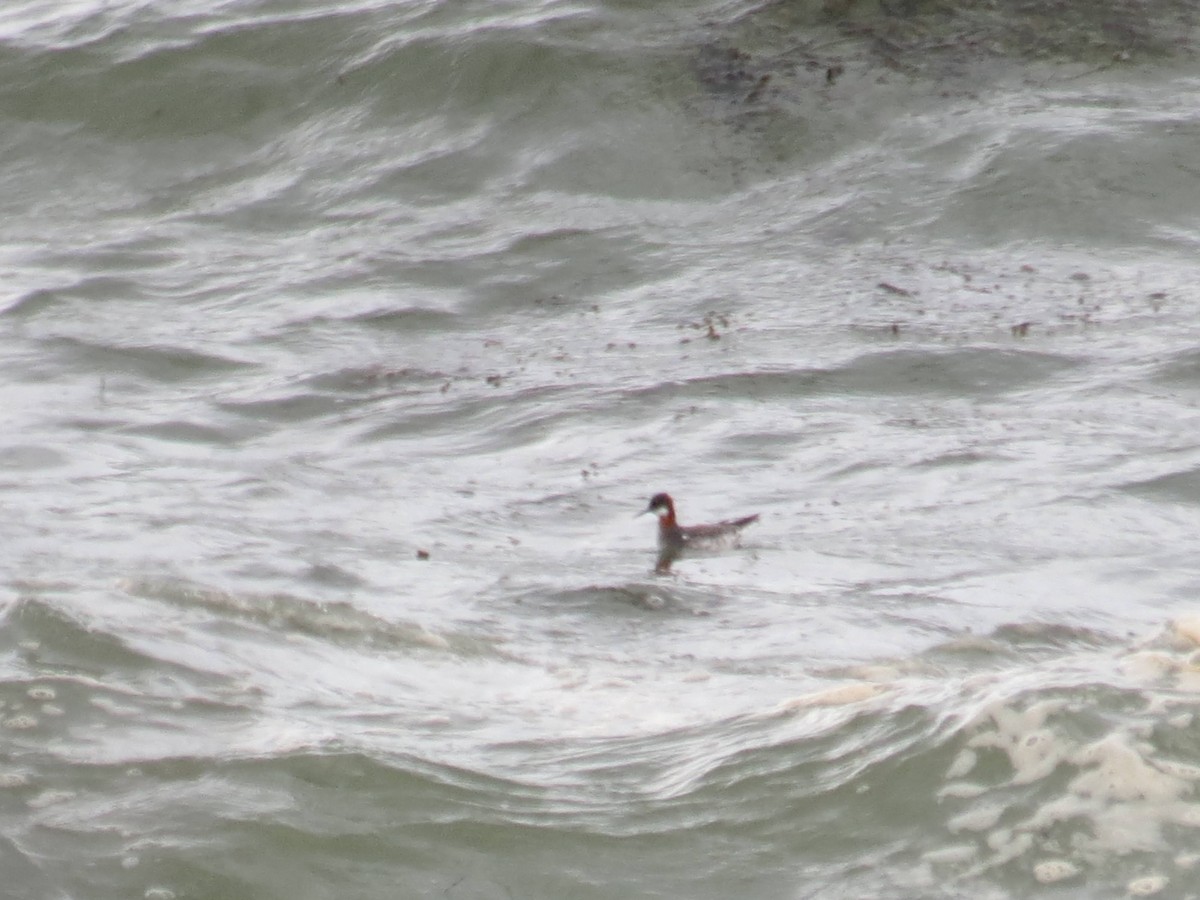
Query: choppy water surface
[[342, 341]]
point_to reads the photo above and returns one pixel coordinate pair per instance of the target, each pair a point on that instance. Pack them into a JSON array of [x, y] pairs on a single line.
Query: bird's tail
[[743, 521]]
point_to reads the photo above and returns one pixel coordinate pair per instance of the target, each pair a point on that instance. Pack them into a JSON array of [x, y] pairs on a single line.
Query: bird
[[674, 538]]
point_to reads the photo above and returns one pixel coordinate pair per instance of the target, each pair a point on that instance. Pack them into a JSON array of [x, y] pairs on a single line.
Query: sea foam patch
[[1082, 772]]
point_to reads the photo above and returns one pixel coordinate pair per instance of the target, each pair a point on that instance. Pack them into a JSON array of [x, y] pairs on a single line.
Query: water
[[342, 341]]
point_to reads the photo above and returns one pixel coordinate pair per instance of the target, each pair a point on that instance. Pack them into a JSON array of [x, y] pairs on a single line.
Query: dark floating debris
[[942, 41], [726, 69], [892, 289], [708, 325], [422, 554], [757, 92]]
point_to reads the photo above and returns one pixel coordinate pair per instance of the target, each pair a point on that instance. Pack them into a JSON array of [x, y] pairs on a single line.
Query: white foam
[[1181, 720], [1148, 885], [1149, 665], [977, 818], [13, 780], [843, 695], [1117, 771], [1033, 750], [956, 854], [1008, 844], [963, 763], [1035, 755], [1062, 809], [1126, 827], [1187, 628], [1049, 871], [1186, 771], [963, 790], [50, 798], [1186, 814]]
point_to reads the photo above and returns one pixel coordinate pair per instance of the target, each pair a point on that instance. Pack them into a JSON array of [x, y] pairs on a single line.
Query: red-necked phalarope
[[674, 538]]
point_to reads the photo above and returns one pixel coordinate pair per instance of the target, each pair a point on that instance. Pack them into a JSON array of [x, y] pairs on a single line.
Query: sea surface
[[342, 340]]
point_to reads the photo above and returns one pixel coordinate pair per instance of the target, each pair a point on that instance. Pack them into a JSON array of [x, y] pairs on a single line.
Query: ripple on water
[[1181, 486], [1181, 369], [1062, 770], [338, 622], [187, 433], [979, 372], [592, 599], [160, 364], [30, 457]]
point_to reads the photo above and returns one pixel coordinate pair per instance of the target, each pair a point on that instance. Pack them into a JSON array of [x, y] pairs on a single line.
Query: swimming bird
[[674, 538]]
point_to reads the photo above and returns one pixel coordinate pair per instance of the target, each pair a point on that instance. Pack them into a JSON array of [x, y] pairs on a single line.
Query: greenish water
[[342, 342]]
